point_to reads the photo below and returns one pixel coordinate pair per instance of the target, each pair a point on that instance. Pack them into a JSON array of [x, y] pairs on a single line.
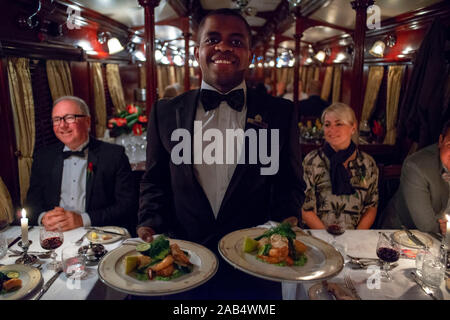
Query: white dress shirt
[[214, 178], [73, 185]]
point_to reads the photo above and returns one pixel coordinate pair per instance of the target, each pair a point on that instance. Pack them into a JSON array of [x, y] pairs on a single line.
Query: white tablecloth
[[63, 288], [362, 243]]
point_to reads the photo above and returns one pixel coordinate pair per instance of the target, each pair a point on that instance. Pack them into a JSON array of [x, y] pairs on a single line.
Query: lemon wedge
[[249, 245]]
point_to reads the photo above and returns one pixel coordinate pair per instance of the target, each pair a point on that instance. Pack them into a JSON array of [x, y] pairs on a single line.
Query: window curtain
[[372, 89], [59, 78], [309, 77], [6, 207], [115, 87], [394, 84], [316, 73], [99, 99], [303, 77], [337, 84], [326, 86], [22, 102]]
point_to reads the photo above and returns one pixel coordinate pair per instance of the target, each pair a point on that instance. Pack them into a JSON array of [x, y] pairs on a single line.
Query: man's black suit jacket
[[172, 200], [111, 192]]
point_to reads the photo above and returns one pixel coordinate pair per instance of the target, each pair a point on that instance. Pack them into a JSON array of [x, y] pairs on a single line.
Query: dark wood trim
[[8, 170], [41, 50], [116, 61]]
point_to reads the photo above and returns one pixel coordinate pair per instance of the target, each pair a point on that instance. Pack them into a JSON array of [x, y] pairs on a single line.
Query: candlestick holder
[[26, 258]]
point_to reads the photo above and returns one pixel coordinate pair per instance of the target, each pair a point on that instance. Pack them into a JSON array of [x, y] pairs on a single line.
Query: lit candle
[[24, 225]]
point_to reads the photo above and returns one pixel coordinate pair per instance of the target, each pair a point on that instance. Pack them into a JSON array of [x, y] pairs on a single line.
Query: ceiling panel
[[255, 21], [167, 33]]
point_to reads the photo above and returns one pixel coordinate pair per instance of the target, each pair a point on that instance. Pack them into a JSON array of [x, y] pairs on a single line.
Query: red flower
[[377, 128], [131, 109], [121, 122], [137, 129], [142, 119], [90, 169]]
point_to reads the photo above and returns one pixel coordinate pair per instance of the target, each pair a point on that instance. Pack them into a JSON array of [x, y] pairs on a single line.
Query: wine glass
[[388, 251], [335, 227], [50, 240]]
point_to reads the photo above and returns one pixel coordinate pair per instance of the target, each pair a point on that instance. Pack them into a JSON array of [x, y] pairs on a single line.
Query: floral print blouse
[[346, 208]]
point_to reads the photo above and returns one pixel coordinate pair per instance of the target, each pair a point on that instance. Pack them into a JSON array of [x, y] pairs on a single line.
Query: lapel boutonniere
[[257, 121], [90, 170]]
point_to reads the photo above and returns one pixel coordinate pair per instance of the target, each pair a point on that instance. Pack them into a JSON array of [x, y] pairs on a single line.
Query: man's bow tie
[[211, 99], [80, 154]]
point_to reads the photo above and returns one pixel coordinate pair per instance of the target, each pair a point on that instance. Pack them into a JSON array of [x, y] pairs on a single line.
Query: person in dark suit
[[202, 200], [312, 107], [80, 181]]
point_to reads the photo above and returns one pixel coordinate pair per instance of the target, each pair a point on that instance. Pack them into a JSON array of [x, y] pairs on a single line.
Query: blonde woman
[[341, 181]]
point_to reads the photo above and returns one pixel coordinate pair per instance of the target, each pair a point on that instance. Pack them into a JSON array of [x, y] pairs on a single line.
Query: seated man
[[314, 105], [423, 196], [80, 181]]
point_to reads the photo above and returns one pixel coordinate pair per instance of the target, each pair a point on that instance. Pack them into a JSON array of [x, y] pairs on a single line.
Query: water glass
[[433, 271], [74, 263], [420, 256], [3, 246]]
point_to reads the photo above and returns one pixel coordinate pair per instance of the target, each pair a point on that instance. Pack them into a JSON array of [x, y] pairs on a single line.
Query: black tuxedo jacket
[[172, 200], [111, 192]]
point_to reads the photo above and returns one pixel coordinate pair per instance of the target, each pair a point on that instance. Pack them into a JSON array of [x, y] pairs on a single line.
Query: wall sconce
[[114, 45], [379, 46], [322, 54]]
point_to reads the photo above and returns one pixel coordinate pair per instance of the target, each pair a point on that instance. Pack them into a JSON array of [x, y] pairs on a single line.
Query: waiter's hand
[[443, 225], [62, 220], [146, 233]]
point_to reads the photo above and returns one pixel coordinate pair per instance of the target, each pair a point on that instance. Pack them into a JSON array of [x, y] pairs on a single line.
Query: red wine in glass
[[51, 243], [335, 229], [388, 254]]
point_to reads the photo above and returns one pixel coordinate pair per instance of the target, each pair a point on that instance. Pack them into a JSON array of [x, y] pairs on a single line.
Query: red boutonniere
[[90, 169]]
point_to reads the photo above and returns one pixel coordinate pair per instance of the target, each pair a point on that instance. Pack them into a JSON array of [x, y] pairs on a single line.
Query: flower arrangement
[[130, 120]]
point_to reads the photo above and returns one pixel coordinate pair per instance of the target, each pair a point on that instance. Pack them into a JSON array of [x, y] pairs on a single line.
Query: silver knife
[[48, 284], [104, 231], [413, 237], [427, 290]]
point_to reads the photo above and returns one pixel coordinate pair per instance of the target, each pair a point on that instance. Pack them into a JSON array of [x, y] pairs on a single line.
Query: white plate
[[31, 277], [111, 271], [402, 238], [324, 261], [114, 237]]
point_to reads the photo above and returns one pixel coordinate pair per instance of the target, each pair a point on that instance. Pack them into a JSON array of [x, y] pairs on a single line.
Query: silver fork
[[349, 284], [80, 241]]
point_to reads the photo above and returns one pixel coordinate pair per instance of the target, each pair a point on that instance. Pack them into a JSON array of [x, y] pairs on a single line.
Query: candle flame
[[24, 213]]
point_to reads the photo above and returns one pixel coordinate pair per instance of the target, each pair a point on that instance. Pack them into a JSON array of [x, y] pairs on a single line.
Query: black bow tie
[[211, 99], [80, 154]]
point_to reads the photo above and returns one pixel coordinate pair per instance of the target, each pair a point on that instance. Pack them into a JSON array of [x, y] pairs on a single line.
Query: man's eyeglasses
[[68, 118]]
